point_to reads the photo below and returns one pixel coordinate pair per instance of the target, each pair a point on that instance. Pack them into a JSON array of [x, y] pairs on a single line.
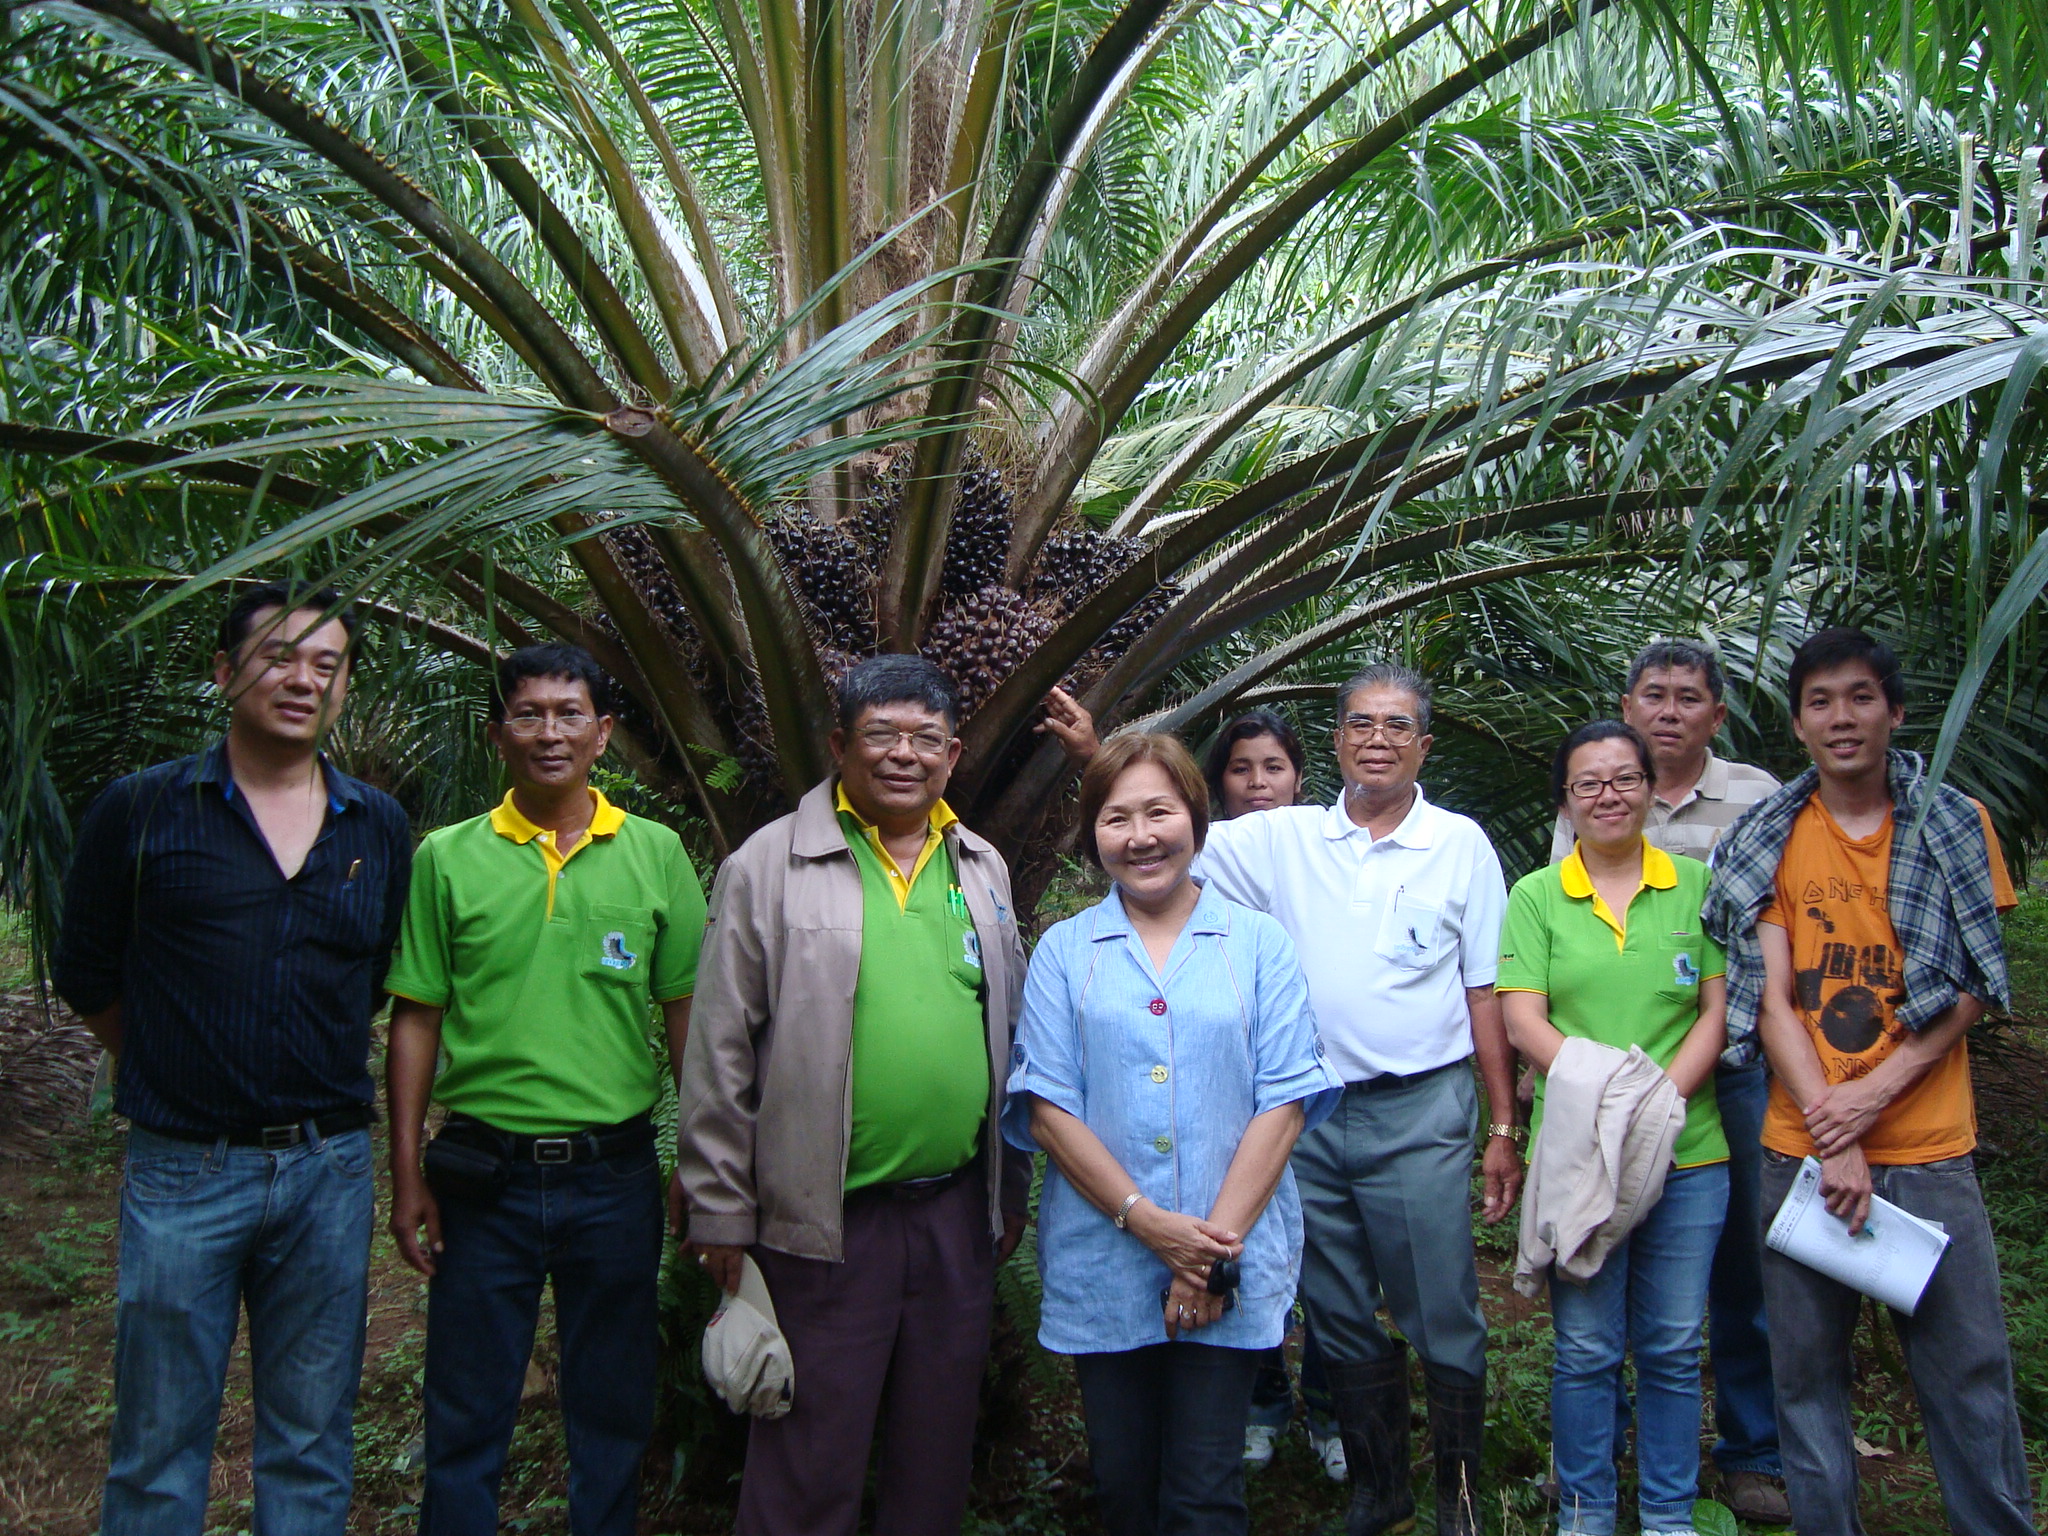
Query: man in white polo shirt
[[1394, 906]]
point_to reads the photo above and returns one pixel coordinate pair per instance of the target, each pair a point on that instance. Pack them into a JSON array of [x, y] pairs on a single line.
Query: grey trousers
[[1955, 1350], [1386, 1210]]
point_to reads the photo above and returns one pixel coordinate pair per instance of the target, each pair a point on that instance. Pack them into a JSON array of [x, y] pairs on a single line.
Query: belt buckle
[[275, 1138], [554, 1149]]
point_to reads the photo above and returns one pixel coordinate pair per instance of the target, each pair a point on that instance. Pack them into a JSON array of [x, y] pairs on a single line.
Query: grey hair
[[1388, 674], [1678, 656], [896, 679]]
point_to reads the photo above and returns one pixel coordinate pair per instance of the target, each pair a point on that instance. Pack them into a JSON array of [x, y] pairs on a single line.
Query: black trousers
[[1166, 1436]]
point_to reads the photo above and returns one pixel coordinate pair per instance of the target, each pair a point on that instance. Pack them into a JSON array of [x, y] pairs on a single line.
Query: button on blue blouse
[[1168, 1070]]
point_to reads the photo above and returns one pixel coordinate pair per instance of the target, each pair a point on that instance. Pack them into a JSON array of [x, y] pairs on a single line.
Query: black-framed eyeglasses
[[1396, 730], [526, 727], [1624, 783], [925, 742]]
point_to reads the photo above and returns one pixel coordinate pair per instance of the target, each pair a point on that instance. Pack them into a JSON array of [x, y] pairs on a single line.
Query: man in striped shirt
[[1675, 696], [226, 927]]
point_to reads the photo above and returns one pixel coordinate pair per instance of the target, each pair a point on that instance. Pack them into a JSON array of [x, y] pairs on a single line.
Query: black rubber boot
[[1457, 1422], [1371, 1403]]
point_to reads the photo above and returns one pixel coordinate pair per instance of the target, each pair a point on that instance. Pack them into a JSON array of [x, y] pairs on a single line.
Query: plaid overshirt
[[1939, 897]]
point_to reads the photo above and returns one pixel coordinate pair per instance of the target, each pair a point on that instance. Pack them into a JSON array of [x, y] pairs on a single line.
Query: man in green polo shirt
[[538, 939], [840, 1098]]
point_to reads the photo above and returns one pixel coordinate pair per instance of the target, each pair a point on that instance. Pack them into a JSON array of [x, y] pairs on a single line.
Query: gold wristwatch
[[1518, 1134]]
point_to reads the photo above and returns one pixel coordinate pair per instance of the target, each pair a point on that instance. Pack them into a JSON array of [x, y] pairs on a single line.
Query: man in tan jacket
[[841, 1088]]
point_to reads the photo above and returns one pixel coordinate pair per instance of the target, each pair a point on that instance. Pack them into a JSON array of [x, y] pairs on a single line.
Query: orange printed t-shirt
[[1849, 975]]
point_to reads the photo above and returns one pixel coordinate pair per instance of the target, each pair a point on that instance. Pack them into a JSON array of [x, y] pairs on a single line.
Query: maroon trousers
[[894, 1339]]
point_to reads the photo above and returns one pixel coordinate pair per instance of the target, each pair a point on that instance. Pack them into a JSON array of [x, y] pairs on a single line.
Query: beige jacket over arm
[[766, 1112], [1610, 1121]]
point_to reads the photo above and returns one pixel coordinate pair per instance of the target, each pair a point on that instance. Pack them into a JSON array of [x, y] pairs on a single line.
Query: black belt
[[918, 1189], [275, 1138], [1382, 1080], [588, 1145]]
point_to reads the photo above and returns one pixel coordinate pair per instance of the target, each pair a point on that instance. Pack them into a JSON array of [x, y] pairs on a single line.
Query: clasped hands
[[1189, 1246], [1837, 1120]]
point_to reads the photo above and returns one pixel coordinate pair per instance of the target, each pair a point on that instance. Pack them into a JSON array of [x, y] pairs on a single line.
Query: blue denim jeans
[[595, 1230], [205, 1231], [1955, 1349], [1738, 1338], [1649, 1298]]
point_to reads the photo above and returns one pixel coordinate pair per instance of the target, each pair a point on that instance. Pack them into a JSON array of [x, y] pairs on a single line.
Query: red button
[[1157, 1005]]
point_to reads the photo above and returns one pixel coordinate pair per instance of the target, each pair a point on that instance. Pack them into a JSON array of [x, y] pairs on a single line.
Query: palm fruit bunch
[[980, 639], [829, 569], [983, 632], [978, 541], [1076, 562]]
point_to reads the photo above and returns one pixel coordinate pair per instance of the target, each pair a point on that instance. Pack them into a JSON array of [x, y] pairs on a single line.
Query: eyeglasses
[[925, 742], [1622, 784], [1398, 730], [526, 727]]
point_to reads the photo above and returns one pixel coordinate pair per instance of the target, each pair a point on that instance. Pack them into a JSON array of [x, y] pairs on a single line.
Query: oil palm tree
[[1163, 349]]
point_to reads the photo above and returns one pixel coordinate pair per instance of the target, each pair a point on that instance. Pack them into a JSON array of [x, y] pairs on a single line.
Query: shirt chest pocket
[[617, 944], [1678, 967], [964, 956], [1411, 932]]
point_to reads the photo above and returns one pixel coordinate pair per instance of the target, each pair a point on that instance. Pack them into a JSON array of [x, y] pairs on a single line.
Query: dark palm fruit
[[829, 569], [982, 638], [978, 541], [1076, 562]]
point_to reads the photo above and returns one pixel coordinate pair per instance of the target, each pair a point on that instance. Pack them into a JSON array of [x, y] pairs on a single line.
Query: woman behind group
[[1255, 764], [1607, 946], [1166, 1062]]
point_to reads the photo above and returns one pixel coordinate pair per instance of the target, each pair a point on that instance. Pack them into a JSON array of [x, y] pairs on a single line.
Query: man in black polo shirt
[[226, 928]]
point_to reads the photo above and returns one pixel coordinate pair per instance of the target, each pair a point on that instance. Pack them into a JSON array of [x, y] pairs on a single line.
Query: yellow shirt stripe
[[942, 817], [1659, 874], [507, 820]]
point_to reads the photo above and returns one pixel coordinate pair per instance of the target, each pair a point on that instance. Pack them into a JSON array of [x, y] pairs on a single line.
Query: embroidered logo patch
[[970, 944], [616, 955], [1684, 971]]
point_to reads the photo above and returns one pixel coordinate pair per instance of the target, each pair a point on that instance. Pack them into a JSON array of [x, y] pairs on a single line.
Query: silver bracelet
[[1123, 1212]]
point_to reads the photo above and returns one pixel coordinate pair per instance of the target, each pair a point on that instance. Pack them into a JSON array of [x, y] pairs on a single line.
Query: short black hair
[[1678, 656], [897, 679], [289, 596], [1833, 648], [556, 659], [1598, 730], [1248, 727], [1387, 674]]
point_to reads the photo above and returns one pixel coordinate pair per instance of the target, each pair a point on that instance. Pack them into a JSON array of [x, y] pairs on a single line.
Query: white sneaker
[[1258, 1446], [1329, 1451]]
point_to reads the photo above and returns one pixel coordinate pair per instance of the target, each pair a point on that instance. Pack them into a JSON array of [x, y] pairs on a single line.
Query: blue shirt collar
[[342, 791], [1211, 915]]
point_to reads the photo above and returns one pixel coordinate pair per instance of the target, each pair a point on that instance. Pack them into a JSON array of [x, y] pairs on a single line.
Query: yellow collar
[[1659, 873], [508, 821], [942, 815]]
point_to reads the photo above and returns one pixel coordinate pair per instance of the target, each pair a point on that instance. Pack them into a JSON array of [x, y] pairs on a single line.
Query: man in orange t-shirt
[[1886, 1108]]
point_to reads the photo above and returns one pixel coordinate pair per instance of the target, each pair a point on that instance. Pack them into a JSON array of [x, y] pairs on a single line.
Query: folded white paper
[[1892, 1258]]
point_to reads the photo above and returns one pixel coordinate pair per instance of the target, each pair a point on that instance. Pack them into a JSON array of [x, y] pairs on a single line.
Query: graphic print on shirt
[[1849, 990], [616, 955]]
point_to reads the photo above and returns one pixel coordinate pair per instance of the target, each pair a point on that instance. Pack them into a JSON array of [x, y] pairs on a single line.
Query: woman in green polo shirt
[[1607, 946]]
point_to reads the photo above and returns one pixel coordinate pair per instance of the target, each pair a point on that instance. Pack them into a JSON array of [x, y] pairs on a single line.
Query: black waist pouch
[[460, 1170]]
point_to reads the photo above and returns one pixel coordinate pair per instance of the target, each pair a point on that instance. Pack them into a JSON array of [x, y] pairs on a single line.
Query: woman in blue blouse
[[1166, 1062]]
